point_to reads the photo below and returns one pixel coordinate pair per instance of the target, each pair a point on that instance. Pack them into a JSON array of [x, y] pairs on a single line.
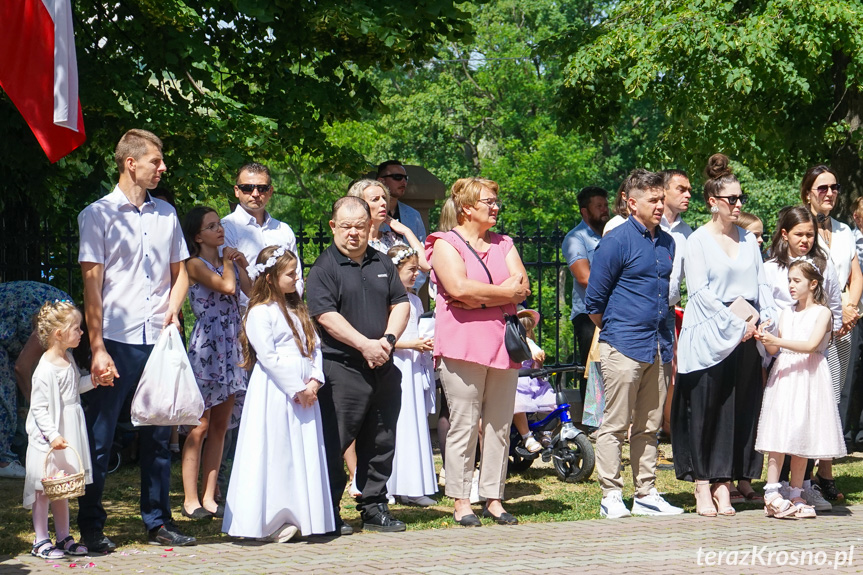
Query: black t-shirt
[[361, 293]]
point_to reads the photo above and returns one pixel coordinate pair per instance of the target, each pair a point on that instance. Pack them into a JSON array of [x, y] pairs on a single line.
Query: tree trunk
[[845, 155]]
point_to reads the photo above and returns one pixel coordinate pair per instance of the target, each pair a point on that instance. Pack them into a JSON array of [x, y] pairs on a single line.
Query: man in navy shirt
[[627, 297]]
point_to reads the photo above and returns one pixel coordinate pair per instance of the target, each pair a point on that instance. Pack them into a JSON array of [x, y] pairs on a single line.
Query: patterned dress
[[214, 346]]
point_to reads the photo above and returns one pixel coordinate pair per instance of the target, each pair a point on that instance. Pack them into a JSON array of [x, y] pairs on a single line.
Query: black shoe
[[168, 534], [342, 528], [96, 542], [502, 519], [380, 519], [198, 514], [469, 520]]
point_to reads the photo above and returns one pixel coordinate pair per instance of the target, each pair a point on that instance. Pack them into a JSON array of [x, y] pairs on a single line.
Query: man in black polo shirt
[[355, 295]]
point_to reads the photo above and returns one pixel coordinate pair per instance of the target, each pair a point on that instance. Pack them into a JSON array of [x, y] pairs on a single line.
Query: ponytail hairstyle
[[811, 272], [789, 218], [448, 218], [265, 290], [192, 227], [719, 175], [59, 314]]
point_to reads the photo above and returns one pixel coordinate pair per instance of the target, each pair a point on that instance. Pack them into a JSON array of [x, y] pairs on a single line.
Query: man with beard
[[578, 247]]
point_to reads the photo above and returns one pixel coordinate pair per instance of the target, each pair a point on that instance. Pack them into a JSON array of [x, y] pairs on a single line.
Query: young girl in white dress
[[798, 415], [56, 420], [413, 478], [279, 483]]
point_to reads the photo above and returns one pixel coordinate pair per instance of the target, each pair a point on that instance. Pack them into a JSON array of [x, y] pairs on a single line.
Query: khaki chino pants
[[634, 392], [474, 391]]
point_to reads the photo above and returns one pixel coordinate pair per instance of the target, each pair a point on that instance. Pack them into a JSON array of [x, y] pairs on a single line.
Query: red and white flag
[[39, 72]]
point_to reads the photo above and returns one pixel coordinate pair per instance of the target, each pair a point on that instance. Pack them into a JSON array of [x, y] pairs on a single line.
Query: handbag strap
[[473, 251]]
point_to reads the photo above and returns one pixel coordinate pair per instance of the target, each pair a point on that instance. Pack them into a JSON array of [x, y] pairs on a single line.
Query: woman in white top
[[717, 399], [820, 191]]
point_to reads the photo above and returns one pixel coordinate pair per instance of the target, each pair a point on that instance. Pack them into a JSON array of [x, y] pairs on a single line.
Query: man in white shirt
[[678, 191], [250, 228], [132, 255]]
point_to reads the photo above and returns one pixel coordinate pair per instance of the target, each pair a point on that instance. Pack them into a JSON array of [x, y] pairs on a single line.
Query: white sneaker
[[612, 507], [391, 500], [813, 497], [13, 471], [653, 504], [421, 501], [283, 534]]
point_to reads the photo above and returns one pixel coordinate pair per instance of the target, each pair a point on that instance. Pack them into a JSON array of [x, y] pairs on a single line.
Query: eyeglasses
[[823, 189], [396, 177], [212, 227], [249, 188], [492, 203], [734, 199]]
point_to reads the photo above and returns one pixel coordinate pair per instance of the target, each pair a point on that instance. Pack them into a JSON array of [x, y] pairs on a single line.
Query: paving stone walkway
[[748, 543]]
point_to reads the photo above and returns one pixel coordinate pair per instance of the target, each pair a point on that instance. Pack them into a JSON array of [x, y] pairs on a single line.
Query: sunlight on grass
[[536, 495]]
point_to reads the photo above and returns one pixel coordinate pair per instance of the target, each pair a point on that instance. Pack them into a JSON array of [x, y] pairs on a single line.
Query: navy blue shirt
[[628, 285]]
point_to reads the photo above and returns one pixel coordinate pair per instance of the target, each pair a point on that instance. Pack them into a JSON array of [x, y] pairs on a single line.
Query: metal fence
[[36, 252]]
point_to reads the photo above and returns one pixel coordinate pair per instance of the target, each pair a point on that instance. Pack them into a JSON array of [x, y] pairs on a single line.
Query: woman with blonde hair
[[480, 278]]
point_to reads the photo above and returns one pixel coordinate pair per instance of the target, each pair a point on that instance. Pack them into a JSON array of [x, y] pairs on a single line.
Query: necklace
[[826, 232]]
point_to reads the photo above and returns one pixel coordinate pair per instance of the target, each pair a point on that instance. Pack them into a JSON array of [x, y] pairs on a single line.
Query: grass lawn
[[536, 495]]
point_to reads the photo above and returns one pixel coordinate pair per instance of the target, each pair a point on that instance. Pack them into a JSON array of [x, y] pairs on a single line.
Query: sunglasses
[[249, 188], [396, 177], [732, 200], [823, 189]]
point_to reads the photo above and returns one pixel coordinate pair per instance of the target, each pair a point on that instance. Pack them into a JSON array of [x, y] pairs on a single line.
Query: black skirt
[[714, 418]]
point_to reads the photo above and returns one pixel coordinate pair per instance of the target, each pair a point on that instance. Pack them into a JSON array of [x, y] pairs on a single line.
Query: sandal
[[736, 496], [532, 445], [724, 511], [777, 506], [45, 550], [69, 547], [706, 511], [750, 496], [828, 488], [802, 510]]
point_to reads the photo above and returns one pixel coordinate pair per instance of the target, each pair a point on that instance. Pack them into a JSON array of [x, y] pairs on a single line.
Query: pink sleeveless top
[[474, 335]]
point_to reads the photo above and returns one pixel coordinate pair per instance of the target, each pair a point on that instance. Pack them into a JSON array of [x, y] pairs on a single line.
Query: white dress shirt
[[137, 247], [243, 232], [679, 230]]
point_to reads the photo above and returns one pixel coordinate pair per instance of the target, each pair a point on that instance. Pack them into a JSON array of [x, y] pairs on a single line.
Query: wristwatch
[[390, 338]]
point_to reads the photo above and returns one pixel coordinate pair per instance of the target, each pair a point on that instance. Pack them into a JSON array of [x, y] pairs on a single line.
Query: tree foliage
[[222, 82], [772, 83]]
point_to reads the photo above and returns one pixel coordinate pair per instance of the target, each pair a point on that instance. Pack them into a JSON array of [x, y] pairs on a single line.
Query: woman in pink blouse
[[479, 277]]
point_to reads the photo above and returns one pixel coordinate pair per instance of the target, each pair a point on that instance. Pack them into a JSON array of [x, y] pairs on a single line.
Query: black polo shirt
[[361, 293]]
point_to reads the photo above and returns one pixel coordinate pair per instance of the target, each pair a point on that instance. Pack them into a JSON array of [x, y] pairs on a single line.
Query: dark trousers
[[102, 407], [583, 328], [362, 404], [851, 399]]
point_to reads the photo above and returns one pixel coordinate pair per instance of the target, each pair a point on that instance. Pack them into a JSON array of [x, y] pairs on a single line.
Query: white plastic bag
[[167, 393]]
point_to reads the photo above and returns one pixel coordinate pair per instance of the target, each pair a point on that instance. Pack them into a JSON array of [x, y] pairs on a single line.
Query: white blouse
[[842, 250], [710, 330]]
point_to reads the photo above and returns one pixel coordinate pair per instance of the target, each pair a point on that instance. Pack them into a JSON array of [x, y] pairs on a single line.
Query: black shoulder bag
[[515, 338]]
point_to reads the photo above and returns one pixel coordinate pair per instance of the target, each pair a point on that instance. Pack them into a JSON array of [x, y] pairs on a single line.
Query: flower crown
[[403, 255], [809, 261], [254, 270]]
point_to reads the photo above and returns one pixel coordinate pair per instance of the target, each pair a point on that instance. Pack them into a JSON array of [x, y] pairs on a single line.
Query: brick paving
[[654, 545]]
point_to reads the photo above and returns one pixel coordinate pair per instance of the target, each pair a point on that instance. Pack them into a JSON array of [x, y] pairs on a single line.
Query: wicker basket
[[63, 487]]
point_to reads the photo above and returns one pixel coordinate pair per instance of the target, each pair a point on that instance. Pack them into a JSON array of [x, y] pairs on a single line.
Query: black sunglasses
[[249, 188], [824, 188], [734, 199], [396, 177]]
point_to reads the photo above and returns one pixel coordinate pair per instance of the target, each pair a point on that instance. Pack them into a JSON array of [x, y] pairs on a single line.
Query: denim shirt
[[628, 285]]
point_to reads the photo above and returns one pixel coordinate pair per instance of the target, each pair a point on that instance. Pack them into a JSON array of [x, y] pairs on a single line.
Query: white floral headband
[[809, 261], [403, 255], [254, 270]]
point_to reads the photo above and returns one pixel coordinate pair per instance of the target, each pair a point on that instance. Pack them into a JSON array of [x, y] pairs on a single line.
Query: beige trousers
[[634, 392], [474, 391]]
